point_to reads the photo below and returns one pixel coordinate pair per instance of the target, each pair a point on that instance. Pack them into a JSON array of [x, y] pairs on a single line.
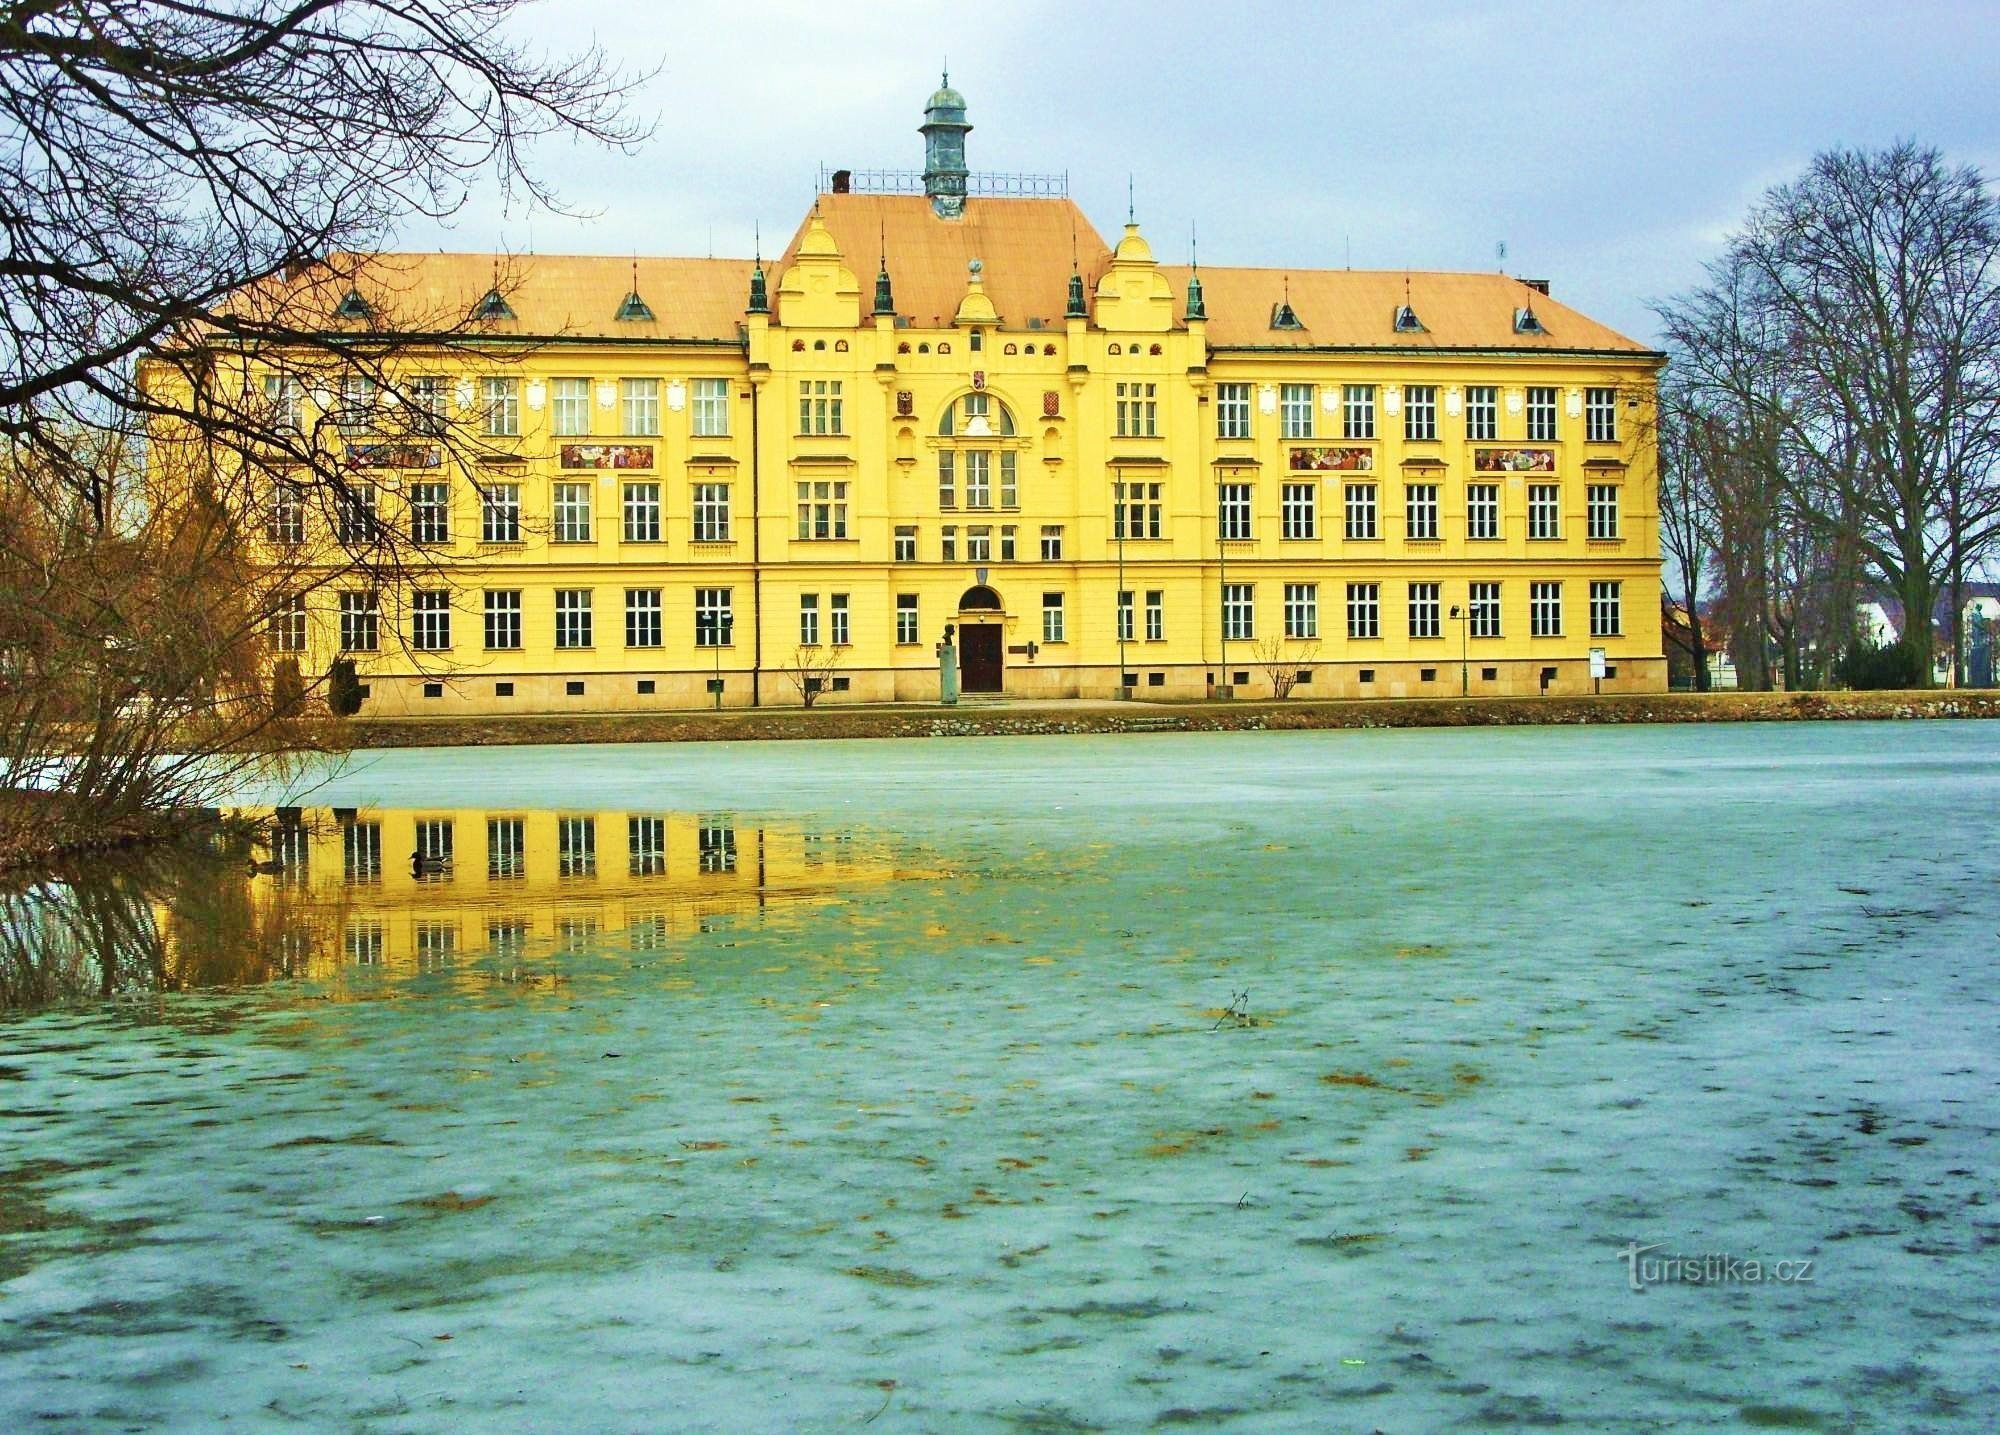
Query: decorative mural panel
[[394, 455], [607, 455], [1331, 460], [1051, 404], [1514, 460]]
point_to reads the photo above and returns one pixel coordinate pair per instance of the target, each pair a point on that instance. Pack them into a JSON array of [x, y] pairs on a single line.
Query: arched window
[[967, 469], [976, 415], [979, 599]]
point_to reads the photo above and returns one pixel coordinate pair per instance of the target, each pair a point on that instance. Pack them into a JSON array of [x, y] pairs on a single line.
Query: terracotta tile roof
[[550, 294], [1024, 244], [1358, 306]]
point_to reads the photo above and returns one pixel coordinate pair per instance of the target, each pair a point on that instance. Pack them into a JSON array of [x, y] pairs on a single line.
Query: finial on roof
[[885, 301], [760, 302], [1131, 201], [1284, 316], [1076, 308]]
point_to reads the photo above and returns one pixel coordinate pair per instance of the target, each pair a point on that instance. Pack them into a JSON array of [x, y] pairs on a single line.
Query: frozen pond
[[1316, 1081]]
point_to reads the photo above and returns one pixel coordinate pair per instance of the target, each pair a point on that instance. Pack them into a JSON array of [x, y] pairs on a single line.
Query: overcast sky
[[1610, 146]]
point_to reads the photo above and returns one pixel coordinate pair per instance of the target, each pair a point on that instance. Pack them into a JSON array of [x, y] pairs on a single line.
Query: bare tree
[[812, 668], [193, 198], [1281, 668]]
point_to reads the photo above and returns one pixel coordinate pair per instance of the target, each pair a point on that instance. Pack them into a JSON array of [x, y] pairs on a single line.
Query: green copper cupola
[[944, 130], [1076, 309]]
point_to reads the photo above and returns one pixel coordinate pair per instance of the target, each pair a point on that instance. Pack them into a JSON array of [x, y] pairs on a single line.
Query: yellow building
[[1098, 471]]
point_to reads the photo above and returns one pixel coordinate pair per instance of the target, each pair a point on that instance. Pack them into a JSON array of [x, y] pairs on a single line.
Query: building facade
[[951, 411]]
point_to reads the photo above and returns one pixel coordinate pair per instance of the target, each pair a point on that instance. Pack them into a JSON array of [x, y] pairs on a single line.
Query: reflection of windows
[[437, 944], [646, 845], [507, 937], [434, 843], [576, 847], [505, 854], [363, 943], [718, 848], [291, 851], [575, 934], [647, 932], [361, 851]]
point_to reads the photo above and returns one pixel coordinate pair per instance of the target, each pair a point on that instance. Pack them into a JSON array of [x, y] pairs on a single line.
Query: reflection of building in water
[[421, 889]]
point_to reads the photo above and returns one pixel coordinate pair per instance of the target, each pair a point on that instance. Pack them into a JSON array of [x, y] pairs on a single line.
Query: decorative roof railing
[[911, 181]]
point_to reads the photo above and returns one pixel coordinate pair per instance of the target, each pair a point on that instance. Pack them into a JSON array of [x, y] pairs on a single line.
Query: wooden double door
[[981, 668]]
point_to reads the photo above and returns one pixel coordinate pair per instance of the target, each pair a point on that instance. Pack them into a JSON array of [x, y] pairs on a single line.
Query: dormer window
[[354, 307], [1407, 321], [1283, 316], [493, 305], [634, 310], [1525, 322]]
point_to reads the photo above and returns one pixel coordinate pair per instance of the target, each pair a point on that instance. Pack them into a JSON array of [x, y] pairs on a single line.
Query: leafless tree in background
[[191, 194]]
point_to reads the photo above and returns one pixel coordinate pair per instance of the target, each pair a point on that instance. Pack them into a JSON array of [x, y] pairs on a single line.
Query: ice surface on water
[[998, 1147]]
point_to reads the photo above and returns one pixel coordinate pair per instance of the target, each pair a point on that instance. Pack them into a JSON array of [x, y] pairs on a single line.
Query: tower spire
[[885, 301], [1197, 307], [760, 302]]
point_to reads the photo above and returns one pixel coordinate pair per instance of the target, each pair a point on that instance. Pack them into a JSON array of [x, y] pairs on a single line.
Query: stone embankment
[[1022, 718]]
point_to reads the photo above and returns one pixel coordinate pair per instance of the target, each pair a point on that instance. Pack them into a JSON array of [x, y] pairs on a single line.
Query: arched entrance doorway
[[981, 666]]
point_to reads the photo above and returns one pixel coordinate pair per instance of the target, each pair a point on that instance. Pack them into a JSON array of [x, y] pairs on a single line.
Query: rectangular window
[[1541, 414], [1606, 621], [1482, 510], [948, 543], [1302, 610], [715, 847], [1010, 483], [360, 622], [1232, 411], [1603, 511], [1544, 510], [1420, 412], [1545, 610], [1232, 512], [430, 620], [836, 619], [1156, 615], [286, 397], [1600, 410], [430, 513], [710, 414], [808, 620], [501, 409], [819, 406], [1483, 609], [639, 405], [978, 478], [506, 855], [1482, 412], [1420, 511], [646, 846], [569, 407], [1135, 510], [1361, 511], [711, 513], [1357, 411], [434, 846], [906, 543], [823, 508], [1052, 535], [1052, 617], [979, 544], [1295, 411], [906, 618], [947, 479], [356, 510], [286, 521], [1364, 610], [1238, 610], [642, 513], [500, 513], [576, 846], [642, 617], [1424, 617], [573, 618], [503, 618], [1298, 509], [357, 403], [1137, 410], [1125, 628], [713, 621], [1007, 543], [571, 510], [288, 624], [426, 401]]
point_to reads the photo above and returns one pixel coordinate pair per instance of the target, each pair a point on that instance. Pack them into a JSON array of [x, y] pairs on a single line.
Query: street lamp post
[[1464, 673], [721, 633], [1118, 608]]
